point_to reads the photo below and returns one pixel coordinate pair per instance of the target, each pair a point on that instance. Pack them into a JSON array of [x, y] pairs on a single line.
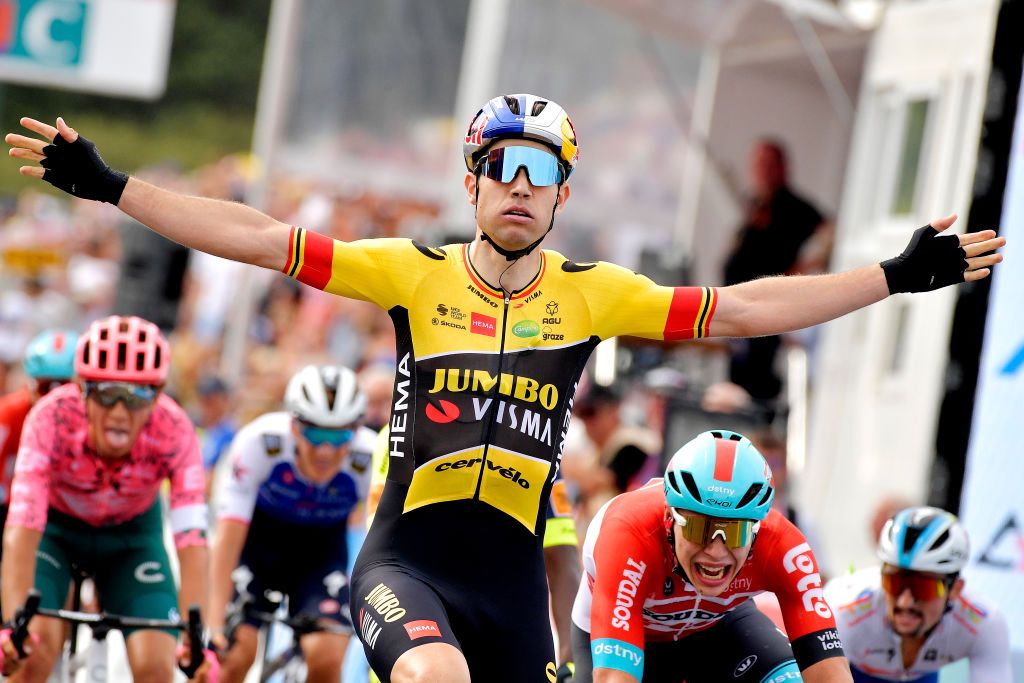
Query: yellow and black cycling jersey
[[559, 526], [485, 382]]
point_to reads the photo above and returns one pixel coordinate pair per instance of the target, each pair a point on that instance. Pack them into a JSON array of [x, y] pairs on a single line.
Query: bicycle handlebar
[[194, 626], [23, 615], [196, 643]]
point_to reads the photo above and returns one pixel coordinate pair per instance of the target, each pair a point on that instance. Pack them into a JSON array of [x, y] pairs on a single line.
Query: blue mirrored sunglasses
[[503, 164], [109, 394], [317, 436]]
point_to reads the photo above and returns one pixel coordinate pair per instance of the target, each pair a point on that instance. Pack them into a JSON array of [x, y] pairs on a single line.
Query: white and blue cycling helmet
[[924, 539], [720, 474], [525, 117]]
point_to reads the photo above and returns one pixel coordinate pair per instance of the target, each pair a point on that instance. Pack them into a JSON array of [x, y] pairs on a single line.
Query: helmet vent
[[943, 537], [157, 357], [765, 497], [142, 335], [910, 538], [691, 486], [513, 104], [749, 495], [122, 356], [103, 358], [537, 108], [305, 393]]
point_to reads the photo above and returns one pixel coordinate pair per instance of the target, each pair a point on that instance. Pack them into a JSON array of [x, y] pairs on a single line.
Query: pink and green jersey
[[57, 468]]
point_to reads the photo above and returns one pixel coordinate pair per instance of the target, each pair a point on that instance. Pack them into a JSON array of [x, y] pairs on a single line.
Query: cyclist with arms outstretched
[[671, 570], [912, 617], [93, 457], [492, 338], [282, 518]]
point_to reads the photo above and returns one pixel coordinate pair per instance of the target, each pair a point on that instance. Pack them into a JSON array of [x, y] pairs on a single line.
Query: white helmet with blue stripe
[[526, 117], [924, 539]]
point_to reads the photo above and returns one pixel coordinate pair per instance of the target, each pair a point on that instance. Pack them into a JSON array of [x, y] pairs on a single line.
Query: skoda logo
[[744, 666]]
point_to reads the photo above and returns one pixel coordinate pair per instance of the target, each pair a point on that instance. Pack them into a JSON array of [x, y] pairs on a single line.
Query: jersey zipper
[[489, 432]]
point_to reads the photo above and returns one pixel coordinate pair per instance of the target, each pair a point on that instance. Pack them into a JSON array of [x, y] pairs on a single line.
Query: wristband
[[929, 262], [78, 169], [5, 636], [213, 675]]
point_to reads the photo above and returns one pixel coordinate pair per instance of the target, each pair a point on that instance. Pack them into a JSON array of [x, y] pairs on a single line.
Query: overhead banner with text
[[993, 496], [112, 47]]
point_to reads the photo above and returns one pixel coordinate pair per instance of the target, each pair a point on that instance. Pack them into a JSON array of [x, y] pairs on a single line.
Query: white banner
[[112, 47], [993, 500]]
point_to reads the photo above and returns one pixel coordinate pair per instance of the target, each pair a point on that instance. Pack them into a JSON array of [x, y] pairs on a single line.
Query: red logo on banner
[[422, 629], [483, 324]]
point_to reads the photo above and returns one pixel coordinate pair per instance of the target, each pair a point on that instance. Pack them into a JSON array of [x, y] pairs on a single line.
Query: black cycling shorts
[[743, 647], [460, 573], [305, 563], [396, 611]]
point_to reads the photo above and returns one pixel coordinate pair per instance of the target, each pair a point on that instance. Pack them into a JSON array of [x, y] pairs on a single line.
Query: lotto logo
[[800, 559]]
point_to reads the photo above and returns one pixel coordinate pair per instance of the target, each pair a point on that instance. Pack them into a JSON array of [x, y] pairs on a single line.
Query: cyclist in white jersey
[[915, 616], [283, 512]]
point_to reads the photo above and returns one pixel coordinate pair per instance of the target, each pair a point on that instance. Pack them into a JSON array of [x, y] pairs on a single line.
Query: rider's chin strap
[[513, 254]]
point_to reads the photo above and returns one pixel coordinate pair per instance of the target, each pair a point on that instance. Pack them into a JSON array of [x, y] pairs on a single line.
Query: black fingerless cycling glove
[[565, 672], [929, 262], [78, 169]]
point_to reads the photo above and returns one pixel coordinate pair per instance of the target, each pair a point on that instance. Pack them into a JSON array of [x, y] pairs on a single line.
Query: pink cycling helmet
[[123, 349]]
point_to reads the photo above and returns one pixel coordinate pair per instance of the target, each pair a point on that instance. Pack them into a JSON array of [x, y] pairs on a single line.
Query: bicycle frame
[[300, 625]]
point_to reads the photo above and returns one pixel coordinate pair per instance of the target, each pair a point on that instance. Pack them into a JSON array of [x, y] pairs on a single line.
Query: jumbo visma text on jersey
[[485, 381]]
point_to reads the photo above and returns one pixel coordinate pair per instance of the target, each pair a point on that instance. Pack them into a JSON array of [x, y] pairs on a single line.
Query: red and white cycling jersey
[[973, 628], [14, 408], [57, 468], [631, 594]]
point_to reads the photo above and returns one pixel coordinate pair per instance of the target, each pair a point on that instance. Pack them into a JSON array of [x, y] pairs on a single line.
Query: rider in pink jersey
[[58, 468], [92, 460]]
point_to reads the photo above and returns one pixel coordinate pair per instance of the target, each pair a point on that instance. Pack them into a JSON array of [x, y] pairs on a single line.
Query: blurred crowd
[[62, 267]]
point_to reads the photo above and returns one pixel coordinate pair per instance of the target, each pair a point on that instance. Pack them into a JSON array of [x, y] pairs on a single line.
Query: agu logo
[[48, 32]]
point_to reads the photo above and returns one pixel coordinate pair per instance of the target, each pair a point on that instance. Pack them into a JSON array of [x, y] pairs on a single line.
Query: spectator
[[777, 226], [215, 424]]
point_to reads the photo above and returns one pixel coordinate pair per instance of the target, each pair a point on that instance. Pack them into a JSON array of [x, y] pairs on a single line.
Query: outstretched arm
[[781, 304], [227, 229]]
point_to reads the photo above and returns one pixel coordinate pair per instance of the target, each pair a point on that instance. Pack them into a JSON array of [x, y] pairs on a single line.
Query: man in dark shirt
[[777, 225]]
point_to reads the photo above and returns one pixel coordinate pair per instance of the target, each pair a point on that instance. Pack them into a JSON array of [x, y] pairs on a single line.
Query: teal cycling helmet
[[924, 539], [720, 474], [51, 355]]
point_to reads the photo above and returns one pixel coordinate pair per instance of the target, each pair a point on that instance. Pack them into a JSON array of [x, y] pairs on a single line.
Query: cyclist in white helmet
[[915, 615], [283, 514], [492, 337]]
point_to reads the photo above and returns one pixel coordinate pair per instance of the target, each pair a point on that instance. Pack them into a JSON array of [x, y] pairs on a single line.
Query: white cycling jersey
[[973, 628], [263, 475]]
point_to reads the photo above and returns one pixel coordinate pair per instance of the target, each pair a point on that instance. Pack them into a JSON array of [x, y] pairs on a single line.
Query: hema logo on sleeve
[[809, 585], [49, 32]]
